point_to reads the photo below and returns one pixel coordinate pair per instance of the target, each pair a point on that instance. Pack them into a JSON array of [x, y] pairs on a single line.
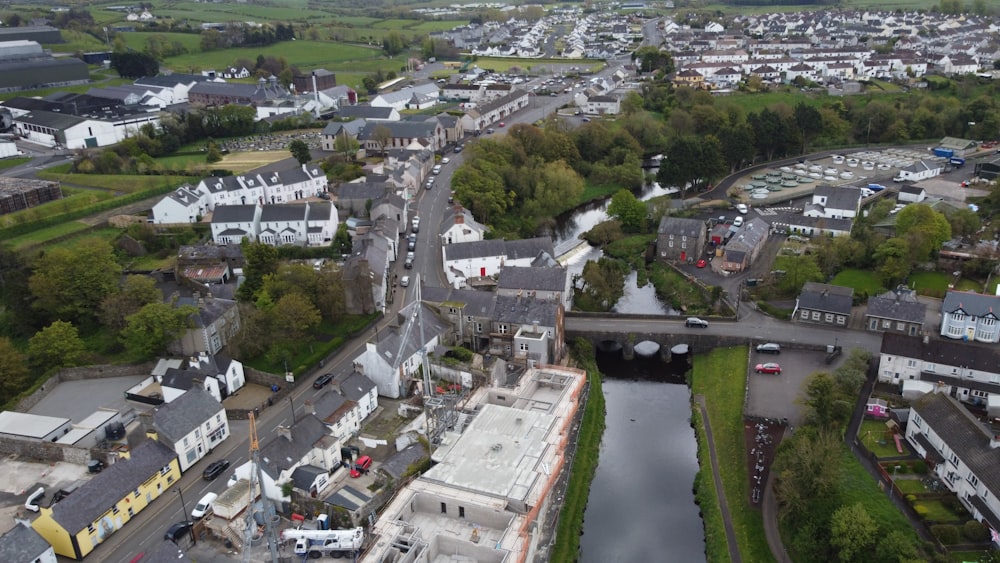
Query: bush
[[461, 354], [911, 498], [974, 531], [920, 467], [903, 468], [947, 534], [921, 510]]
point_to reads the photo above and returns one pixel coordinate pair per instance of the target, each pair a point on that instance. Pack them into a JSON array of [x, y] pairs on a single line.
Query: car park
[[404, 281], [769, 367], [203, 506], [178, 530], [695, 322], [769, 348], [361, 466], [322, 380], [215, 469]]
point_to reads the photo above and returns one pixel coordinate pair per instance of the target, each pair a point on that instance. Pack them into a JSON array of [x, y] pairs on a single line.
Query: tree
[[799, 270], [345, 144], [136, 291], [69, 283], [134, 65], [652, 59], [893, 257], [300, 150], [382, 135], [737, 146], [629, 210], [259, 260], [853, 532], [554, 183], [925, 229], [895, 547], [13, 370], [603, 284], [56, 346], [149, 331], [691, 161], [810, 123], [293, 318], [805, 471]]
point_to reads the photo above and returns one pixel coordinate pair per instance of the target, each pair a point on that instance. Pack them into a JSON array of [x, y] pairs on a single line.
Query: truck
[[316, 543], [956, 161], [943, 152]]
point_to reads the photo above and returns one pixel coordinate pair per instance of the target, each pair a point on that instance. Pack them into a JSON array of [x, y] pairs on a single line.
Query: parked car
[[742, 208], [361, 466], [489, 130], [695, 322], [215, 469], [201, 509], [415, 225], [408, 263], [178, 530], [738, 221], [458, 148], [501, 124], [701, 263], [585, 120], [322, 380], [768, 368], [445, 160], [768, 348], [405, 280]]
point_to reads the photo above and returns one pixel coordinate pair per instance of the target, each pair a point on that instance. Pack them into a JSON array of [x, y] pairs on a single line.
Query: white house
[[232, 223], [603, 105], [23, 543], [341, 416], [920, 170], [911, 194], [834, 202], [460, 226], [173, 88], [392, 360], [361, 390], [962, 451], [51, 128], [283, 224], [970, 316], [191, 425], [487, 257], [415, 96], [183, 205]]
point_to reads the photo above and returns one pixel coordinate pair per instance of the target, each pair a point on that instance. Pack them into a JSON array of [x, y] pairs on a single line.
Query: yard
[[877, 438], [857, 485], [863, 281]]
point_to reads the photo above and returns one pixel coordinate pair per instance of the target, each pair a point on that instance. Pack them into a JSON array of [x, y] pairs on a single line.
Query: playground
[[882, 438]]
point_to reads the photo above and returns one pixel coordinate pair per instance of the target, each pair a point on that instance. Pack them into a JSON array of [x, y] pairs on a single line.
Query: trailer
[[956, 161], [943, 152], [316, 543]]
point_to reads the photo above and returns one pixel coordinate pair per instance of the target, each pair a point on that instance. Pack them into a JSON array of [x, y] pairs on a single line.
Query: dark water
[[641, 506]]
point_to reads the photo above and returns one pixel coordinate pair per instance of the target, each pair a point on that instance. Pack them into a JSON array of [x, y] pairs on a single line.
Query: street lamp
[[185, 513], [892, 484]]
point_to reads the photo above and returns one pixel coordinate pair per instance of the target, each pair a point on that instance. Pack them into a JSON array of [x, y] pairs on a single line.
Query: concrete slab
[[77, 400], [20, 478]]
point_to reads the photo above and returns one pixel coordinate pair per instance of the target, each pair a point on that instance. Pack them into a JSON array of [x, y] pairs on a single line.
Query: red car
[[501, 124], [701, 263], [768, 368], [361, 466]]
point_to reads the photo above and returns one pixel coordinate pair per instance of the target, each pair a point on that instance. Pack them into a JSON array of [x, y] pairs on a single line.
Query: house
[[173, 88], [968, 372], [191, 425], [183, 205], [360, 390], [833, 202], [877, 407], [366, 274], [603, 105], [469, 311], [810, 226], [970, 316], [680, 239], [401, 134], [346, 132], [538, 282], [22, 543], [960, 450], [307, 443], [212, 326], [233, 223], [76, 525], [920, 170], [746, 243], [368, 113], [339, 414], [528, 329], [825, 304], [483, 115], [689, 77], [392, 358], [911, 194], [896, 311], [486, 258], [459, 226], [411, 97]]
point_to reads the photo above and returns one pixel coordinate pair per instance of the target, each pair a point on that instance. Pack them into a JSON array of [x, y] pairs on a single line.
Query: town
[[265, 311]]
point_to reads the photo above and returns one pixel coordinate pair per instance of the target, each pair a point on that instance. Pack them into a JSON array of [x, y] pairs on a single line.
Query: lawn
[[863, 281], [116, 183], [40, 236], [306, 55], [938, 512], [13, 161], [857, 485], [720, 376], [932, 284], [969, 284], [875, 436], [911, 486], [72, 200]]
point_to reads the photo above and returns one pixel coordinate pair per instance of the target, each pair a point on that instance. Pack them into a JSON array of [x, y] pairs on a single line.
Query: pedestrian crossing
[[771, 211]]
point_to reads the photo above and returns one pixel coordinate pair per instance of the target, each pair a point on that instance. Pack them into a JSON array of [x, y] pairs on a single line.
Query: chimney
[[285, 432], [927, 339], [534, 326], [459, 216]]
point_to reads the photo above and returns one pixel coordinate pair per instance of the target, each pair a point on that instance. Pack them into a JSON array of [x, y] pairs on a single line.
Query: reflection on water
[[641, 505], [641, 299]]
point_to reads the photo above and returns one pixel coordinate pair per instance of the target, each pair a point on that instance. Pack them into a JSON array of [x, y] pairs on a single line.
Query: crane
[[256, 481]]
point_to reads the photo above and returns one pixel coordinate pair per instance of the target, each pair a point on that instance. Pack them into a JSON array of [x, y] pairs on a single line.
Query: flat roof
[[29, 425], [500, 453]]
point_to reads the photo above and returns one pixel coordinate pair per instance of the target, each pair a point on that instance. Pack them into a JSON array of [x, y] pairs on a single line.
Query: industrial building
[[24, 65]]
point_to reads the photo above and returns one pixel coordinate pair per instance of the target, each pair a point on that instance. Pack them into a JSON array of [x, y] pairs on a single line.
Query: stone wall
[[79, 374], [44, 451]]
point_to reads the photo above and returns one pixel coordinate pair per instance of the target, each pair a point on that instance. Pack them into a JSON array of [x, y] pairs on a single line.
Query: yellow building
[[77, 524]]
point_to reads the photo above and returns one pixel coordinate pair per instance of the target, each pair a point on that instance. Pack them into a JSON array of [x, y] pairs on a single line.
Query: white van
[[203, 506]]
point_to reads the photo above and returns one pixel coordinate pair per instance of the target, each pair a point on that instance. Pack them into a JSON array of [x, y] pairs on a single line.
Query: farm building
[[20, 193]]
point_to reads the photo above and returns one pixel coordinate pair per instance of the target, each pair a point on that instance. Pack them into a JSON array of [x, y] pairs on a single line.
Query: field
[[932, 284], [238, 163], [115, 183], [306, 55]]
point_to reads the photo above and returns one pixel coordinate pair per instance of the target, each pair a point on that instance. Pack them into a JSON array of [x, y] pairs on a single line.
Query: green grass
[[863, 281], [720, 376], [911, 486], [102, 235], [968, 284], [328, 337], [75, 200], [707, 496], [970, 556], [76, 41], [13, 161], [137, 39], [40, 236], [932, 284], [857, 486], [585, 459], [755, 102], [305, 54], [116, 183], [594, 192], [938, 512], [872, 432]]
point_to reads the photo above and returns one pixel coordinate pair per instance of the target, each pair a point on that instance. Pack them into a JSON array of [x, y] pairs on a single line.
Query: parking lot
[[778, 396]]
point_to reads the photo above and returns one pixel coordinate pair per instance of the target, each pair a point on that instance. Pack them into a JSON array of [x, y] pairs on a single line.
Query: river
[[641, 505]]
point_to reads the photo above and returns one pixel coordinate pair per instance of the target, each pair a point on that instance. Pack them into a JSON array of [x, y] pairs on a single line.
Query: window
[[90, 528], [973, 480], [502, 329], [954, 330], [980, 394], [461, 512], [958, 317], [911, 363], [828, 317], [901, 326], [444, 508], [915, 418], [805, 315], [114, 509], [451, 310], [670, 244], [523, 346], [135, 493], [953, 459], [815, 315], [988, 322], [886, 323], [841, 319], [930, 368]]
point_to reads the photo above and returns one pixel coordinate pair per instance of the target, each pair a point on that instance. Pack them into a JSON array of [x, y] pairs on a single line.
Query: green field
[[306, 55], [863, 281], [116, 183], [137, 39], [42, 235], [280, 11], [933, 284], [13, 161], [76, 41], [857, 485]]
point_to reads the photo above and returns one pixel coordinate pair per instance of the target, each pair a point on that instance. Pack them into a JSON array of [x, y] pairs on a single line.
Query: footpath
[[727, 519]]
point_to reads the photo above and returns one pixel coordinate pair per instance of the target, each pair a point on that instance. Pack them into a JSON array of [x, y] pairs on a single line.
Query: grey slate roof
[[305, 475], [898, 306], [281, 453], [364, 190], [826, 298], [178, 418], [170, 80], [365, 112], [479, 304], [327, 404], [50, 119], [389, 341], [544, 279], [283, 212], [208, 311], [475, 249], [234, 213], [974, 304], [845, 197], [679, 226], [398, 463], [911, 189], [528, 248], [526, 310], [22, 543], [356, 386], [400, 129], [963, 434], [96, 496], [943, 352], [748, 236]]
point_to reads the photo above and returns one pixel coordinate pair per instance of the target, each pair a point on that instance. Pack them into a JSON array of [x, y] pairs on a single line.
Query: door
[[482, 272], [684, 256]]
